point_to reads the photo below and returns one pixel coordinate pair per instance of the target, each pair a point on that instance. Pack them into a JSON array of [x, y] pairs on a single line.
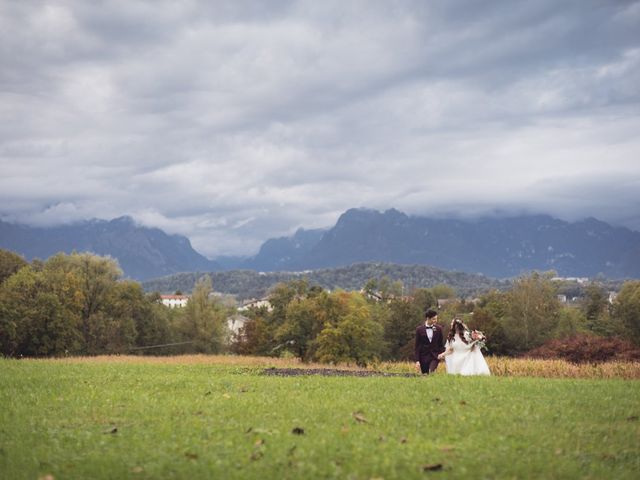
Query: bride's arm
[[447, 351]]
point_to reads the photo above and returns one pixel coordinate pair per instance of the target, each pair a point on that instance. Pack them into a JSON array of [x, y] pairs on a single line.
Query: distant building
[[371, 295], [444, 301], [580, 280], [226, 299], [174, 301], [612, 296], [235, 323], [256, 304], [562, 298], [378, 296]]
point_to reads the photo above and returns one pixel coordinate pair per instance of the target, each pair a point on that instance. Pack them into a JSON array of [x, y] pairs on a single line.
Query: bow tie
[[431, 328]]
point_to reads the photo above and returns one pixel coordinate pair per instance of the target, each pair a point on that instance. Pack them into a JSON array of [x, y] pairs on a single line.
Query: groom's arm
[[442, 348]]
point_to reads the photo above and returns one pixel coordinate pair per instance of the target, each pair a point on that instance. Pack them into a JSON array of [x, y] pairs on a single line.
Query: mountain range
[[142, 252], [493, 246]]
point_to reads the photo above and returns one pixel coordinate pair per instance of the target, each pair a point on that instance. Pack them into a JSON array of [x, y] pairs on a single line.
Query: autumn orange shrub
[[587, 349]]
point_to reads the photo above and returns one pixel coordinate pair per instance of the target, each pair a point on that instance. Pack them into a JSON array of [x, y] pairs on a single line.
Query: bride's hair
[[457, 327]]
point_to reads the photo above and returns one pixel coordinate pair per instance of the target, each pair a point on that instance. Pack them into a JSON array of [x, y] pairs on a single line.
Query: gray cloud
[[234, 121]]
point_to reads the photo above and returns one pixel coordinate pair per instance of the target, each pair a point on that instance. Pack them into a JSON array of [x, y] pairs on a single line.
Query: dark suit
[[427, 351]]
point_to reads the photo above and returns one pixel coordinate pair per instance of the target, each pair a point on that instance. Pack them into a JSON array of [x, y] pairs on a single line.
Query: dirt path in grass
[[330, 372]]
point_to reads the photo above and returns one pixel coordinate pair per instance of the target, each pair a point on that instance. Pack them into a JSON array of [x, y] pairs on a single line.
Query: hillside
[[250, 284]]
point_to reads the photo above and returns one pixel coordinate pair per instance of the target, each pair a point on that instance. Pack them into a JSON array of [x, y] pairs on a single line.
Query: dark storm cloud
[[235, 121]]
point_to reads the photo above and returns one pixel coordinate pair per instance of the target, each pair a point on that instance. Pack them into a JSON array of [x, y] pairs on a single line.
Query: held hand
[[418, 367]]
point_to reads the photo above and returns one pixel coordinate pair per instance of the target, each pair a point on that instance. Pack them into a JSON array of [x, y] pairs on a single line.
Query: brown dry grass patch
[[198, 359], [500, 366]]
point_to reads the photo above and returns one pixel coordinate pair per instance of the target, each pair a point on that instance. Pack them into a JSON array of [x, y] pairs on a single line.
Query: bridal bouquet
[[476, 337]]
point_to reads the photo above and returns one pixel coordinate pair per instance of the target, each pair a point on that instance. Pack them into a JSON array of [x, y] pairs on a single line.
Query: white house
[[236, 322], [256, 304], [173, 301]]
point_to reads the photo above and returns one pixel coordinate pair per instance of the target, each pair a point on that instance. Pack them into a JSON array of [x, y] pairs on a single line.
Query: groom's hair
[[430, 313]]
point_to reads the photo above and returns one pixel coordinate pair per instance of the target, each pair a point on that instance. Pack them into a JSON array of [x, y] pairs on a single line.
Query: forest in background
[[79, 304]]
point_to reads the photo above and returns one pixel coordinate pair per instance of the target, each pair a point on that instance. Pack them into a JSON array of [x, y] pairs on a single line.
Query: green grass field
[[120, 420]]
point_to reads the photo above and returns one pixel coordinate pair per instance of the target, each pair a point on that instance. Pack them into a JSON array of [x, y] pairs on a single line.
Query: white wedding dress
[[463, 360]]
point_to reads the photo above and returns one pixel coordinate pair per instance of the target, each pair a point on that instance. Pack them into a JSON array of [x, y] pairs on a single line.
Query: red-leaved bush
[[587, 348]]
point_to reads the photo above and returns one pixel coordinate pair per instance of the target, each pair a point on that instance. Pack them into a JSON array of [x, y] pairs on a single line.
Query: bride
[[462, 356]]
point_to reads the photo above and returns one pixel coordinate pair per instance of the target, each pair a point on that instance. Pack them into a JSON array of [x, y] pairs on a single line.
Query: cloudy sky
[[235, 121]]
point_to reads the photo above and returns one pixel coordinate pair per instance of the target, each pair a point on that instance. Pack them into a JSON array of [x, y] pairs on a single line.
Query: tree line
[[78, 304], [250, 284], [379, 322]]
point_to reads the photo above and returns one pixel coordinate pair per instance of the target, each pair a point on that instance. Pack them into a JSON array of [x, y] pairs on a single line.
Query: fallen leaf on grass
[[191, 456], [359, 417], [137, 470], [113, 430], [257, 455], [264, 431], [447, 448], [298, 431], [432, 467], [632, 418], [403, 440], [226, 395], [462, 402], [47, 477], [249, 430], [259, 442]]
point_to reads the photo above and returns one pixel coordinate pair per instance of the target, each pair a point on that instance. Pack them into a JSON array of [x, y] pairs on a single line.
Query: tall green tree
[[355, 338], [10, 263], [532, 314], [97, 277], [424, 299], [304, 319], [34, 319], [627, 310], [254, 338], [400, 327], [488, 316], [204, 320], [595, 304], [571, 321], [443, 291]]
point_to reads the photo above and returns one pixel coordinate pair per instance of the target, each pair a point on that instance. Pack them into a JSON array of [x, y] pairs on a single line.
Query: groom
[[429, 343]]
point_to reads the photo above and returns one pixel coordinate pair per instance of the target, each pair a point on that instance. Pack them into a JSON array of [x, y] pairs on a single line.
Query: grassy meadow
[[206, 417]]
